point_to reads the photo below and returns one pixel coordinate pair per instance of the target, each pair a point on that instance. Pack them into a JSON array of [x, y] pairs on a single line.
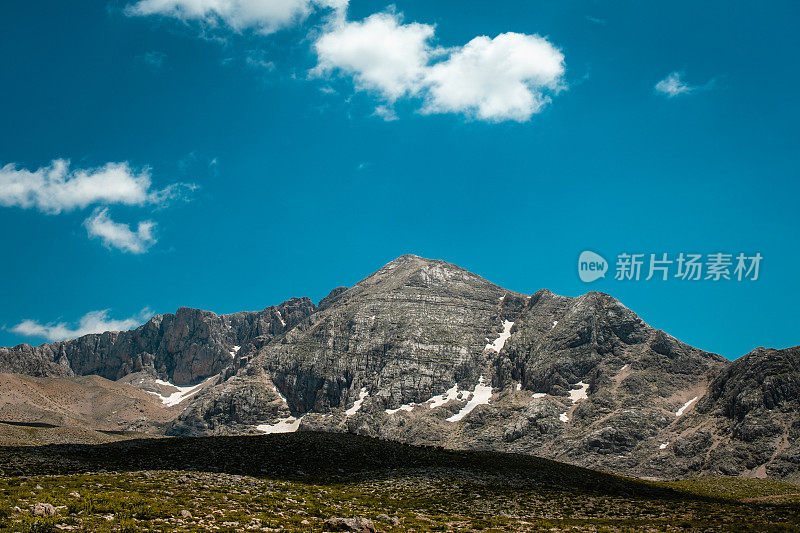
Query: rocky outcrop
[[183, 348], [748, 422], [763, 380]]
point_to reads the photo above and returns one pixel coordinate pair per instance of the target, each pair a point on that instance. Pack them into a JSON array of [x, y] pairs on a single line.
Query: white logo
[[591, 266]]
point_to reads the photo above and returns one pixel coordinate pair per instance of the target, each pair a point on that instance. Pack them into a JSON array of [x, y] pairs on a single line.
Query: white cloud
[[508, 77], [257, 59], [498, 79], [385, 112], [120, 236], [56, 188], [91, 322], [380, 52], [265, 16], [673, 85]]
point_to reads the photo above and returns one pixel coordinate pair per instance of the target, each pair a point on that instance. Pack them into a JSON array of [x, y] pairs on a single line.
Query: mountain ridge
[[425, 352]]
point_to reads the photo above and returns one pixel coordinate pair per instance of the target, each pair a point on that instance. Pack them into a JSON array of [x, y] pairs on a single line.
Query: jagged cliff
[[183, 348]]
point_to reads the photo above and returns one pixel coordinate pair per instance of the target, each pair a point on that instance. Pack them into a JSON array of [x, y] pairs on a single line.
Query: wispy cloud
[[385, 112], [154, 58], [257, 59], [56, 188], [120, 236], [91, 322], [673, 85], [263, 16]]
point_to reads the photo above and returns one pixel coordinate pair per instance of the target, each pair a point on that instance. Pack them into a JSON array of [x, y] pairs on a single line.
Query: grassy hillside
[[294, 482]]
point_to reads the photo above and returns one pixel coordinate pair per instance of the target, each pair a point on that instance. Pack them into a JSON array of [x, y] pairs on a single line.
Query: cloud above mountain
[[57, 188], [120, 236], [91, 322], [508, 77], [381, 54], [511, 76], [672, 85], [263, 16]]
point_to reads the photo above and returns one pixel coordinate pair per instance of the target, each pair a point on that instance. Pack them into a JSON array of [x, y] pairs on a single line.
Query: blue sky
[[231, 160]]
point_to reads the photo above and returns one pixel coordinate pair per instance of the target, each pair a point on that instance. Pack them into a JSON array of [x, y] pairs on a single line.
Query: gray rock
[[44, 509], [358, 524]]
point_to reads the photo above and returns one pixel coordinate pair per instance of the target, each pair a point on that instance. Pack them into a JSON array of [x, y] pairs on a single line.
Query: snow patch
[[500, 341], [284, 425], [519, 386], [441, 399], [563, 417], [280, 317], [624, 368], [577, 395], [276, 391], [663, 445], [555, 323], [362, 395], [449, 395], [687, 404], [182, 393], [480, 395], [404, 407], [235, 351], [539, 394]]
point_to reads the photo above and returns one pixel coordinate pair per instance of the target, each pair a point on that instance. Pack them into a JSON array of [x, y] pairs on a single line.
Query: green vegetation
[[739, 489], [419, 489]]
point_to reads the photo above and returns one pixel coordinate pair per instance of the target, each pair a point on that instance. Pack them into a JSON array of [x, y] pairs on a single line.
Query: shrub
[[38, 525]]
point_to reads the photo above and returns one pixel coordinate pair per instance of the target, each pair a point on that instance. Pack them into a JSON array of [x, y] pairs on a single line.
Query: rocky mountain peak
[[414, 270]]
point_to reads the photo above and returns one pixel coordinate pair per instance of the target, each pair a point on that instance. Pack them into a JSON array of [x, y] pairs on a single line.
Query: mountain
[[404, 334], [425, 352]]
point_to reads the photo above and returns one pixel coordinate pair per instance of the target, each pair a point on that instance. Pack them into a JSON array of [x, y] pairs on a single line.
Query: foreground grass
[[418, 489]]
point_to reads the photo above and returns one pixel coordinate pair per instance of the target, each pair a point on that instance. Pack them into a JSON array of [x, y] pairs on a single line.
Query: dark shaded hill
[[312, 481], [318, 457]]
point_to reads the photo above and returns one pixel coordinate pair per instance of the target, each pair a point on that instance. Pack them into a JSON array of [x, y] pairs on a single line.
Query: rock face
[[425, 352], [403, 334], [183, 348], [748, 422]]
